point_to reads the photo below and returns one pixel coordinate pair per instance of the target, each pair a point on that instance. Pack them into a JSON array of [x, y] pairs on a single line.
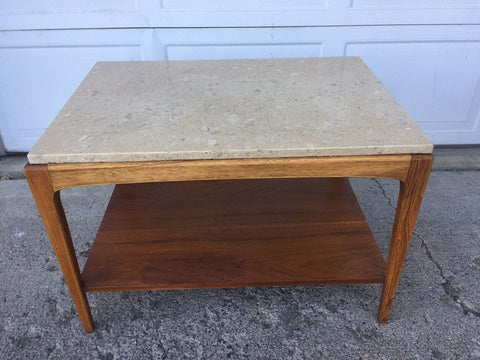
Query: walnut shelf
[[229, 233]]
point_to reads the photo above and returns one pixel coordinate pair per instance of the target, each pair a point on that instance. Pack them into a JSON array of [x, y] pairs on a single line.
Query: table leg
[[408, 206], [51, 211]]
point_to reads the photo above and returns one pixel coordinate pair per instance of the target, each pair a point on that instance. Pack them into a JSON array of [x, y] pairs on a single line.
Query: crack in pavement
[[447, 285], [384, 193]]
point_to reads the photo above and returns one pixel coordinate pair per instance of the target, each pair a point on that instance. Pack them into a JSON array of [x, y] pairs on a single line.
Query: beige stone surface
[[134, 111]]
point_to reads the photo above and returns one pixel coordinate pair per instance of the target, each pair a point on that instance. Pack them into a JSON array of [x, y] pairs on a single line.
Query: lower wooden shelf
[[232, 233]]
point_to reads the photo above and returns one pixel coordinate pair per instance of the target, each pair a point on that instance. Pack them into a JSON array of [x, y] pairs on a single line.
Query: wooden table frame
[[46, 181]]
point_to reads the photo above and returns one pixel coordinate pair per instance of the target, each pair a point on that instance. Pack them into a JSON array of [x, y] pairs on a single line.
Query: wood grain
[[53, 216], [232, 233], [85, 174], [222, 233], [408, 206]]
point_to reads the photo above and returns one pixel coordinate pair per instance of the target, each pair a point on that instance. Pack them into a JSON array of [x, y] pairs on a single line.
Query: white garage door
[[426, 52]]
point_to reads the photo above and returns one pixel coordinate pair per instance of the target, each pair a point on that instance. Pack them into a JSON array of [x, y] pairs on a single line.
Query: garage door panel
[[411, 12], [56, 6], [241, 43], [414, 4], [431, 69], [242, 51], [423, 80], [70, 14], [88, 14], [441, 93], [433, 73], [245, 5], [41, 70], [215, 44], [190, 13]]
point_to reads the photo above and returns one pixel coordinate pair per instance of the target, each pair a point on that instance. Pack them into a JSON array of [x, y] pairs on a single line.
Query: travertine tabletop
[[135, 111]]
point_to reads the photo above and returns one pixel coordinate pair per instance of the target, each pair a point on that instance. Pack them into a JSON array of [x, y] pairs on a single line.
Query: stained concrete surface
[[435, 315]]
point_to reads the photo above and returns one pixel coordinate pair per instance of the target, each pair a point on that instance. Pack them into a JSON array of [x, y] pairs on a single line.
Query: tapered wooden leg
[[409, 201], [51, 211]]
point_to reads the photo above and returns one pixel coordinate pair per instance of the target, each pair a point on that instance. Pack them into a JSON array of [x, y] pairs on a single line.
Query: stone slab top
[[186, 110]]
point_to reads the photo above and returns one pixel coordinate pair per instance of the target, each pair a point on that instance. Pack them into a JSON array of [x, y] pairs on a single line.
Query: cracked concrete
[[385, 194], [434, 314], [447, 285], [450, 290]]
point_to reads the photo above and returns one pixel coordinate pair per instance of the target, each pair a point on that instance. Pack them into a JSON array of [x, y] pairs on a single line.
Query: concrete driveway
[[435, 315]]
